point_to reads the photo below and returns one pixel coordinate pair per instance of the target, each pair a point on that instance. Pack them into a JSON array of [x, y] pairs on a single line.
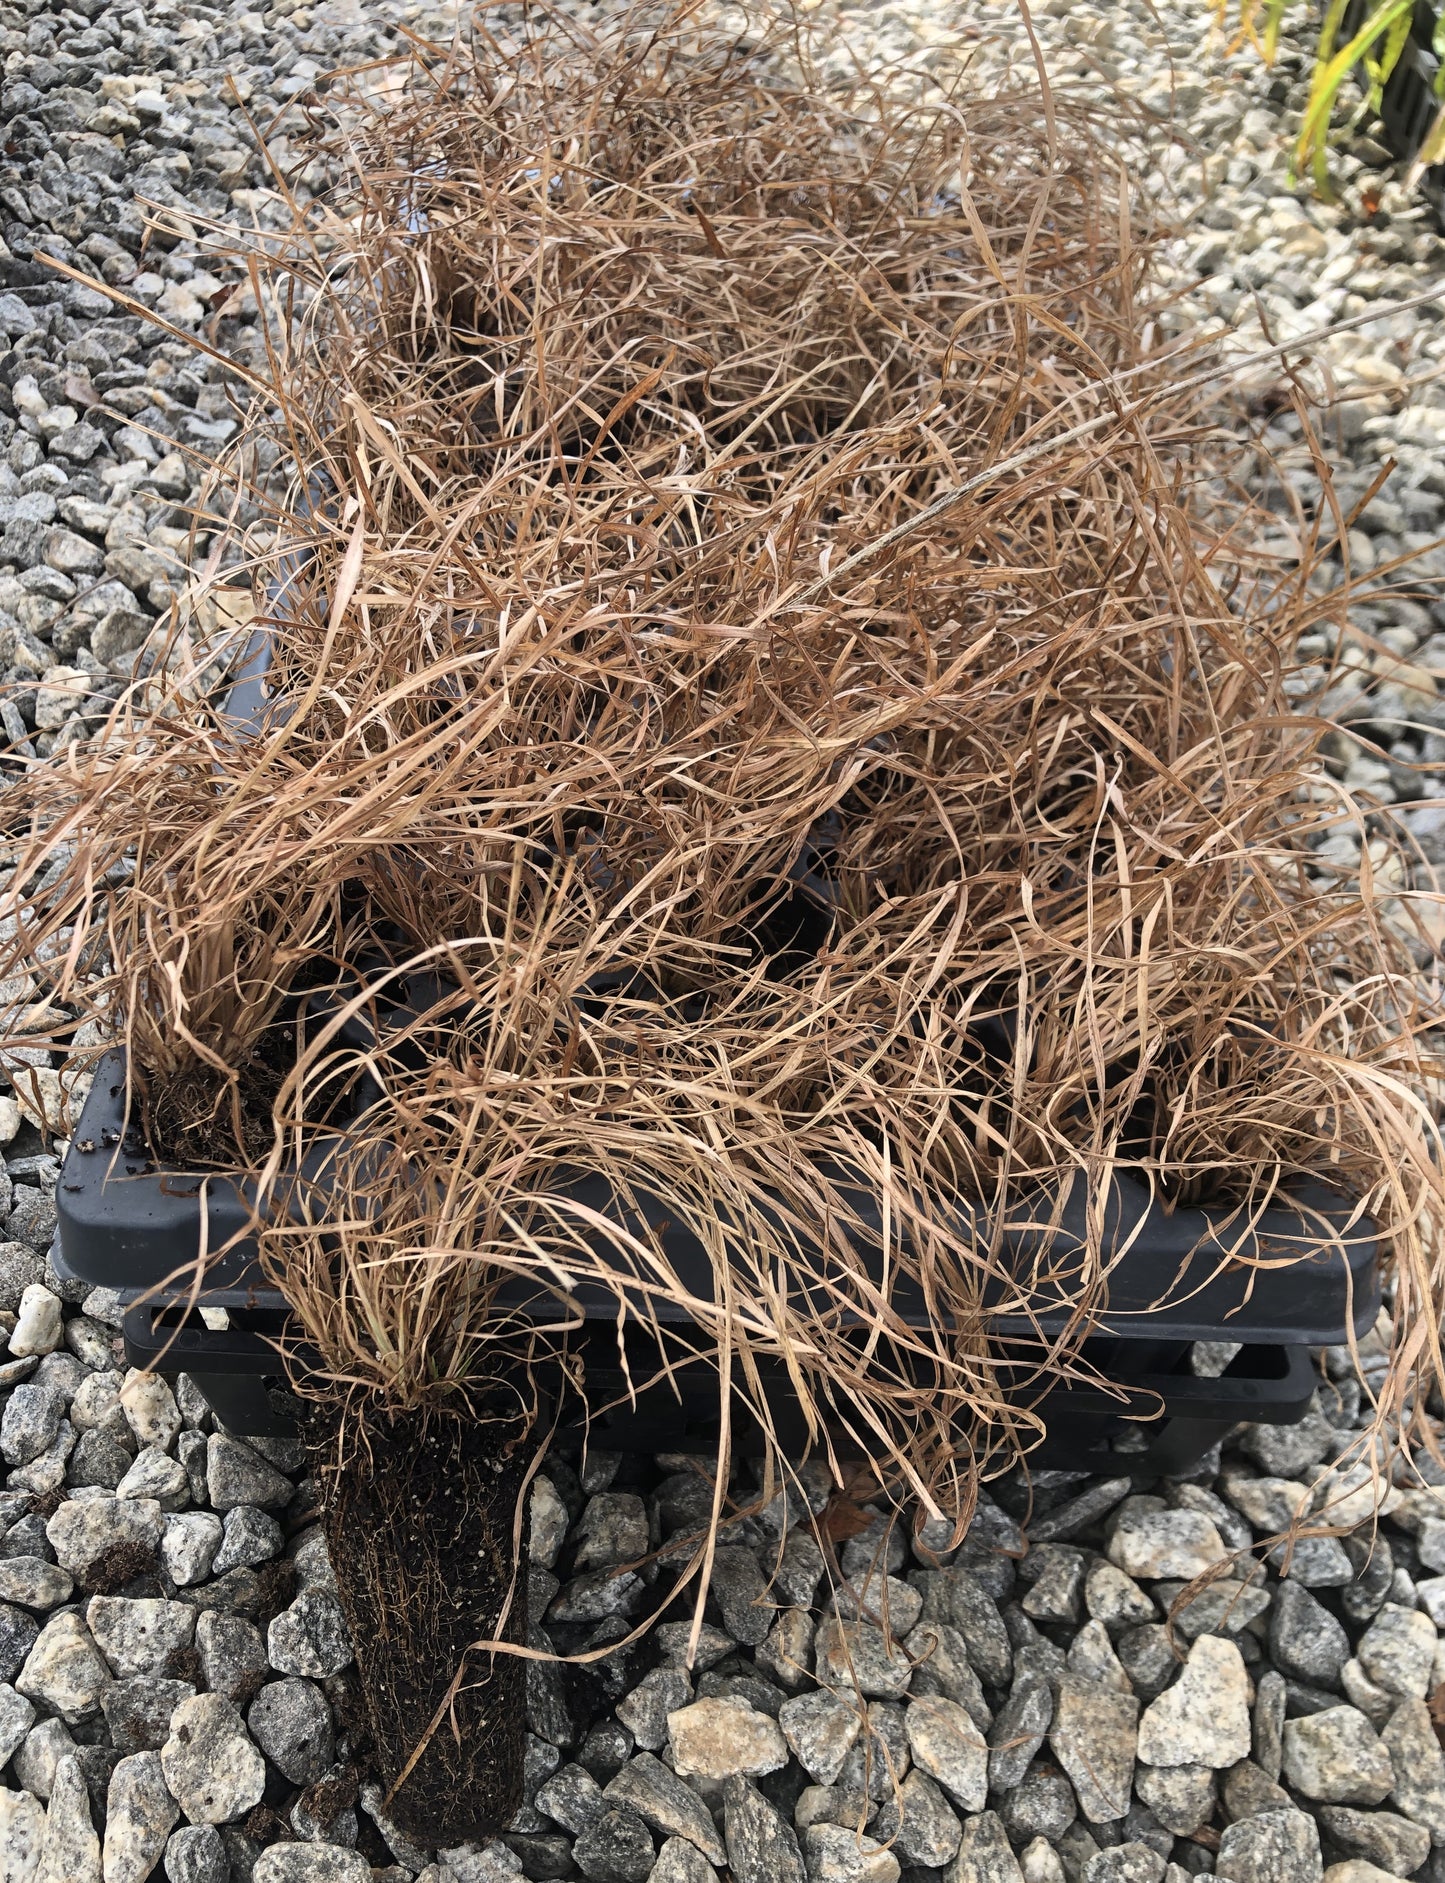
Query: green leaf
[[1333, 68], [1274, 15]]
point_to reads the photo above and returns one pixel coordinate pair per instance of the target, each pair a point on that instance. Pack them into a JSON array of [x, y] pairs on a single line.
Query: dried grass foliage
[[630, 376]]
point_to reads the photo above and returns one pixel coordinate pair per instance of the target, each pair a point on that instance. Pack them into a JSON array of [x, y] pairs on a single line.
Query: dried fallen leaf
[[843, 1518]]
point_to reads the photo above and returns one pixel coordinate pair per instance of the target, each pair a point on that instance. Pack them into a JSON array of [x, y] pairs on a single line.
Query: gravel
[[1003, 1743], [175, 1672]]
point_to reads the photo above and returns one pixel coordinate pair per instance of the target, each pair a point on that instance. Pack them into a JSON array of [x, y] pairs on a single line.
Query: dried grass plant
[[757, 648]]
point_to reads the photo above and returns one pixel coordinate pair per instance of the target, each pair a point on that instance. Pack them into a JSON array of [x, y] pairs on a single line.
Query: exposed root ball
[[419, 1514]]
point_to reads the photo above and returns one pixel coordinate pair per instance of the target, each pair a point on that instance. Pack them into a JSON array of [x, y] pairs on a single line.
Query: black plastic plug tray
[[1300, 1275], [1177, 1278]]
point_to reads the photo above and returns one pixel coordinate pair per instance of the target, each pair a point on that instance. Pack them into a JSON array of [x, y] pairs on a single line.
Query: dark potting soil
[[200, 1118], [197, 1120], [419, 1513]]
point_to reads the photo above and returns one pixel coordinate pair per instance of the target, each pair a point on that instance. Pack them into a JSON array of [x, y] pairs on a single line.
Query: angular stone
[[191, 1450], [1378, 1837], [942, 1665], [1270, 1504], [680, 1862], [860, 1656], [612, 1530], [98, 1460], [1287, 1450], [644, 1711], [214, 1772], [233, 1655], [615, 1848], [1305, 1639], [1271, 1696], [666, 1804], [1018, 1732], [1356, 1870], [139, 1816], [547, 1516], [715, 1739], [798, 1571], [46, 1473], [890, 1604], [1126, 1863], [138, 1712], [1346, 1497], [197, 1854], [1146, 1654], [82, 1531], [1225, 1607], [847, 1856], [1057, 1594], [66, 551], [31, 1420], [822, 1729], [139, 1636], [1315, 1562], [598, 1595], [947, 1745], [787, 1654], [984, 1853], [44, 1747], [1396, 1651], [313, 1564], [920, 1824], [572, 1798], [310, 1637], [1094, 1738], [956, 1596], [310, 1863], [761, 1844], [32, 1220], [69, 1848], [1041, 1863], [33, 1582], [1361, 1692], [237, 1475], [150, 1409], [879, 1547], [1203, 1719], [1182, 1797], [1336, 1757], [1419, 1767], [1277, 1847], [157, 1475], [18, 1635], [22, 1832], [1116, 1599], [1096, 1500], [17, 1716], [63, 1671], [880, 1756], [1043, 1806], [189, 1545], [1092, 1658], [251, 1537], [740, 1591], [603, 1753], [1248, 1792], [38, 1325], [1152, 1545], [291, 1723]]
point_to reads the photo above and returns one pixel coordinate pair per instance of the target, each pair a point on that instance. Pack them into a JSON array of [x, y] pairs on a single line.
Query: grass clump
[[762, 743]]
